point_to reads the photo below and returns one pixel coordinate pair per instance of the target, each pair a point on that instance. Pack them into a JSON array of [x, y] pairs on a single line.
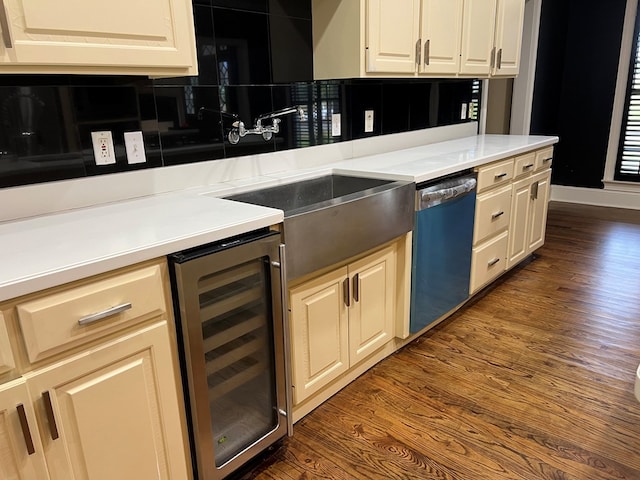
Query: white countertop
[[421, 164], [53, 249], [46, 251]]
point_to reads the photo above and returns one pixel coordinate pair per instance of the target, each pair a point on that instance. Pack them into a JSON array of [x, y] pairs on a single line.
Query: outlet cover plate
[[368, 121], [103, 148], [336, 125]]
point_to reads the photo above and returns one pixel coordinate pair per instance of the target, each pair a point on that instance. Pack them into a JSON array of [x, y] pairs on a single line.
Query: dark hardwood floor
[[534, 380]]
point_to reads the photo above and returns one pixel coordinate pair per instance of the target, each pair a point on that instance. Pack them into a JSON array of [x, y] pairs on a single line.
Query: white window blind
[[628, 165]]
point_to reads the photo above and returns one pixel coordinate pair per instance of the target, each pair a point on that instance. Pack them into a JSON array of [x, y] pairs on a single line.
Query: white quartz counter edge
[[50, 250]]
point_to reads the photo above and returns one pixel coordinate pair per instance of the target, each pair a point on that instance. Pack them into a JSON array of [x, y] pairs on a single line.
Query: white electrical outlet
[[336, 125], [134, 144], [103, 148], [368, 121]]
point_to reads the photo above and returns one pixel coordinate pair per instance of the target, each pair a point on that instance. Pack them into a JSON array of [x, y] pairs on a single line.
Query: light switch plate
[[103, 150], [368, 121], [134, 144], [336, 125]]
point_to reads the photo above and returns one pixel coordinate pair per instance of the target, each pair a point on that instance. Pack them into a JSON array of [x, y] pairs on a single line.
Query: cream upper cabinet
[[392, 44], [116, 37], [340, 318], [478, 27], [508, 37], [21, 453], [112, 411], [440, 32]]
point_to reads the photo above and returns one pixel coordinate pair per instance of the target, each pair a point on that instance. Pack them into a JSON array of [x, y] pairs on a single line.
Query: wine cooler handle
[[286, 326]]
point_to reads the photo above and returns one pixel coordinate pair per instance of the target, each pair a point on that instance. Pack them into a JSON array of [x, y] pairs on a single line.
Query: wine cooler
[[231, 313]]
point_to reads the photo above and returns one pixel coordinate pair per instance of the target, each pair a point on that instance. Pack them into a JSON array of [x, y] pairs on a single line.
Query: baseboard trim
[[595, 196]]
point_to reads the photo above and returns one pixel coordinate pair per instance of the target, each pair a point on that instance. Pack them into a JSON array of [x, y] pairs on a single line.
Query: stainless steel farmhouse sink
[[335, 217]]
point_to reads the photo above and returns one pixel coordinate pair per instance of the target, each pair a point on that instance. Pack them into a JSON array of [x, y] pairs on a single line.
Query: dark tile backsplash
[[255, 57]]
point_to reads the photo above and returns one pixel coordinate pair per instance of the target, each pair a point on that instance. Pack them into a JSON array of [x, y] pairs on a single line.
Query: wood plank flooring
[[534, 380]]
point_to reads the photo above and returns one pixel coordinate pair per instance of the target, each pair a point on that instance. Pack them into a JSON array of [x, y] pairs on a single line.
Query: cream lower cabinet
[[530, 200], [340, 318], [111, 412], [121, 36], [98, 394], [21, 455]]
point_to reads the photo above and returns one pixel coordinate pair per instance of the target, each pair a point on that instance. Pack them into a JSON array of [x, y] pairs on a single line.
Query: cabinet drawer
[[488, 261], [544, 158], [73, 316], [495, 174], [493, 211], [524, 164]]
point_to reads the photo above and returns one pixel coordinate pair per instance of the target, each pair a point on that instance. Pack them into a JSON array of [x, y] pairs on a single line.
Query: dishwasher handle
[[444, 192]]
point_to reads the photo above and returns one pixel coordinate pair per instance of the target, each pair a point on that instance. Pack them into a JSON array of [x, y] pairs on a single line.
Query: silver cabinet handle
[[427, 52], [500, 175], [26, 431], [286, 326], [547, 159], [418, 43], [499, 59], [528, 166], [4, 25], [493, 262], [94, 317], [497, 215], [347, 295], [48, 408], [493, 57]]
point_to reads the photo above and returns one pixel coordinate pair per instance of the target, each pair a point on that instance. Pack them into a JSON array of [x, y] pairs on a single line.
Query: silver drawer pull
[[94, 317], [493, 262], [497, 215], [500, 175], [528, 166], [547, 159], [4, 25]]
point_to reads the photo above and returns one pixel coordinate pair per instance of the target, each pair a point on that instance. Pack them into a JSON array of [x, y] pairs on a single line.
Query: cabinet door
[[21, 456], [509, 25], [106, 36], [7, 363], [539, 206], [392, 43], [319, 332], [520, 219], [441, 25], [113, 411], [373, 303], [478, 22]]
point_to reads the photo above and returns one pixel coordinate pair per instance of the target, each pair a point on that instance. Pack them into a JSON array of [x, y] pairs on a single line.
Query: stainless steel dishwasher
[[442, 243], [233, 341]]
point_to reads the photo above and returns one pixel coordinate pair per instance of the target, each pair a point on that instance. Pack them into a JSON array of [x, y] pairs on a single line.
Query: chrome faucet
[[238, 131]]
